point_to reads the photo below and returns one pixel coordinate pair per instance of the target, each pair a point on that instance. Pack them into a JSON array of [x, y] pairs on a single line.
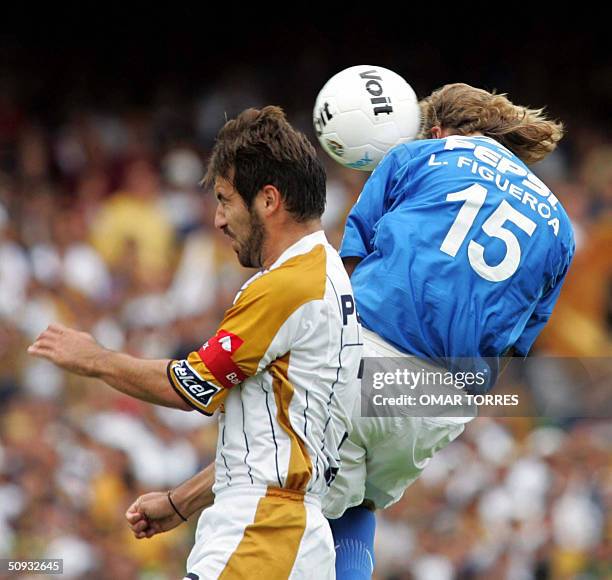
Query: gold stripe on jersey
[[269, 545], [258, 315], [300, 464], [265, 305]]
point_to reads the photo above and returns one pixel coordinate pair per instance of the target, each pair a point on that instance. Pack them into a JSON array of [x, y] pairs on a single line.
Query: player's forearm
[[195, 493], [79, 353], [140, 378]]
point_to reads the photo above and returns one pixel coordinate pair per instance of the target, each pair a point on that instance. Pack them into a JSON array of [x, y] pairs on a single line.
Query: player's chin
[[244, 257]]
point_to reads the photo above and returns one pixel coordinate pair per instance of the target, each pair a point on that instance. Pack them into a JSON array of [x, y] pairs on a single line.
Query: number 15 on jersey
[[473, 198]]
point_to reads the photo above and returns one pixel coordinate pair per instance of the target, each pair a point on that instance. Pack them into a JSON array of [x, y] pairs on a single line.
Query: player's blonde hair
[[465, 110]]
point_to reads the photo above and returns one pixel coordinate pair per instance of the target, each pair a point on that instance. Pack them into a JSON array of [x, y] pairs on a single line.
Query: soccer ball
[[362, 112]]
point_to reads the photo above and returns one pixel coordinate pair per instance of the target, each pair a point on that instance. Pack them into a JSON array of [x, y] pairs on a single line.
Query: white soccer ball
[[362, 112]]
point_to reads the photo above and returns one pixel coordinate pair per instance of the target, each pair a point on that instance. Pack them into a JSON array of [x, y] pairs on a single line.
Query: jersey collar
[[302, 246]]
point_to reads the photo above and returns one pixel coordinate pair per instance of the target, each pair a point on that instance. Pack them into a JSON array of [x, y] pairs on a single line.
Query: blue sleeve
[[370, 207], [542, 313]]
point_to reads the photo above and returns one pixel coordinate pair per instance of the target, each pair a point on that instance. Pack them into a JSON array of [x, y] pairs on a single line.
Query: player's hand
[[151, 514], [68, 348]]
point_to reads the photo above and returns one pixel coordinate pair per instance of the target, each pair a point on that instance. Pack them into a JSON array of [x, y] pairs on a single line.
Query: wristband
[[178, 513]]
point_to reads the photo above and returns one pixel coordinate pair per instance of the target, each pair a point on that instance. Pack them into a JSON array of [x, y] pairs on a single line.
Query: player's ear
[[269, 199], [436, 132]]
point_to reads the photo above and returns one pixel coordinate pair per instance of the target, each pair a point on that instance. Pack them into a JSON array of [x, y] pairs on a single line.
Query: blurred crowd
[[103, 226]]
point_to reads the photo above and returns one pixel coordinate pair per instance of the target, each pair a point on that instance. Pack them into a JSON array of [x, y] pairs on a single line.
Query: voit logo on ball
[[362, 112]]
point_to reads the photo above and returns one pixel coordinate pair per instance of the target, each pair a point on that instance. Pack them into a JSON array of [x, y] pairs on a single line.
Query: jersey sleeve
[[257, 329], [370, 207], [542, 312]]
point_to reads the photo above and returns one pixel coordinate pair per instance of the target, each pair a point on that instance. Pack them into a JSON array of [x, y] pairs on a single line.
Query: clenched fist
[[70, 349], [152, 514]]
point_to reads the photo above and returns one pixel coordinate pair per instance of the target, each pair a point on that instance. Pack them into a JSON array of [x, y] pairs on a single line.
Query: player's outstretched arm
[[79, 353], [160, 511]]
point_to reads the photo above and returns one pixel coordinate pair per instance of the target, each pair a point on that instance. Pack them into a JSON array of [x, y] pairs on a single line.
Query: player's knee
[[368, 504]]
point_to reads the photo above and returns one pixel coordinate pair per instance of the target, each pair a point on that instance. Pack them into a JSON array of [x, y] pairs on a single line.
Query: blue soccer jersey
[[464, 250]]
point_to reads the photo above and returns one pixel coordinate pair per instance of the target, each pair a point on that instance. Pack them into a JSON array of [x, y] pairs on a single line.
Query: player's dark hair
[[464, 110], [259, 148]]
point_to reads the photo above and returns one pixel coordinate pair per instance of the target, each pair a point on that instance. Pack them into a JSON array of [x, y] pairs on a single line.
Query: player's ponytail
[[465, 110]]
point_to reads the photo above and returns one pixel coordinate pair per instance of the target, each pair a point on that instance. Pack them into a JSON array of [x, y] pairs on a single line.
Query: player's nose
[[220, 219]]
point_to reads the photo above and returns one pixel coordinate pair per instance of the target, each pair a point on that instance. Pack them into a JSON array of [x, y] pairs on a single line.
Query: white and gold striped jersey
[[283, 365]]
